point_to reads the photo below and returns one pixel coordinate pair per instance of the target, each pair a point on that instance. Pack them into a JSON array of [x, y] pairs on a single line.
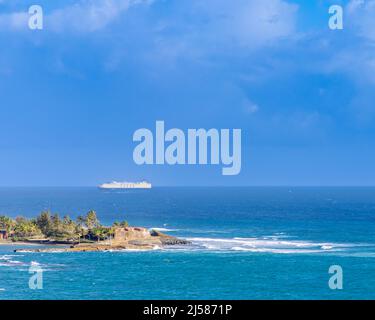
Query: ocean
[[247, 243]]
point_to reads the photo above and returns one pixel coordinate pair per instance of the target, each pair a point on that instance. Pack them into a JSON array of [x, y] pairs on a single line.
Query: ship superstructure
[[126, 185]]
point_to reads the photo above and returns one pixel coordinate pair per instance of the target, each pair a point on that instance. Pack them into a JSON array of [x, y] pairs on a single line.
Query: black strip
[[189, 309]]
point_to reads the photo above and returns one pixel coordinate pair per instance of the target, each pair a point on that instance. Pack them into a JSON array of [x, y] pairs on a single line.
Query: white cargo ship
[[126, 185]]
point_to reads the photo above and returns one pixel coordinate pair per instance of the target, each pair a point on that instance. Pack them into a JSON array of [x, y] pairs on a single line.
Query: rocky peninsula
[[84, 235], [128, 238]]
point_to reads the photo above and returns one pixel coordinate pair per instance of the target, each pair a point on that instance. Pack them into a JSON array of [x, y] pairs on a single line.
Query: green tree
[[26, 228], [116, 224], [124, 224], [81, 221], [92, 220], [80, 226], [70, 228], [7, 223], [97, 234], [44, 222], [101, 233]]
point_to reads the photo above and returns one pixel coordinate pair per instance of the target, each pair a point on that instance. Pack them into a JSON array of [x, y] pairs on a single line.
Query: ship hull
[[125, 185], [122, 188]]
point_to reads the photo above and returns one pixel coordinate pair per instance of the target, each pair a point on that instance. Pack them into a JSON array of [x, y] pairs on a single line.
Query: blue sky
[[72, 95]]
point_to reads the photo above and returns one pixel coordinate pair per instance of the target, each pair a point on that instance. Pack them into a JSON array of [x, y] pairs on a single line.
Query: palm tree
[[7, 223], [81, 222]]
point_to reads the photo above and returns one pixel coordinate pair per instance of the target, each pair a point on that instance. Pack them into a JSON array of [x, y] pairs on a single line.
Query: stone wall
[[131, 233]]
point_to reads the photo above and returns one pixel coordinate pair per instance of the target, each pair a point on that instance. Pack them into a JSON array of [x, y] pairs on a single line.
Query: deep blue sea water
[[248, 243]]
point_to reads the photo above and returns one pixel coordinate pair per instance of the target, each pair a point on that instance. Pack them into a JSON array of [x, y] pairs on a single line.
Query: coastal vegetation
[[84, 234], [51, 226]]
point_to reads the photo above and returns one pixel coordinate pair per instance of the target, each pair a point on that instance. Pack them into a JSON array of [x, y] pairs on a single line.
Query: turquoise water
[[247, 243]]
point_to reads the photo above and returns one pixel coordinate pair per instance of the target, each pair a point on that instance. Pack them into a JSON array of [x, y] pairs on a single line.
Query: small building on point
[[3, 234]]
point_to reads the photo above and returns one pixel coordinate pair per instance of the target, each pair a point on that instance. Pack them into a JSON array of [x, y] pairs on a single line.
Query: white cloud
[[354, 5], [262, 22], [247, 23], [86, 16], [250, 23], [83, 16], [250, 107], [202, 29], [14, 21], [356, 58], [358, 63], [361, 15]]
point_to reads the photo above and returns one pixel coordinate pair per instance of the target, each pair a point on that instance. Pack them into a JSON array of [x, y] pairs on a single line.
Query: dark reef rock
[[167, 240], [174, 241]]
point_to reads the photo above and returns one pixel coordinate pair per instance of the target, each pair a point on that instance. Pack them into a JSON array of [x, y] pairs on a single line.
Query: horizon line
[[204, 186]]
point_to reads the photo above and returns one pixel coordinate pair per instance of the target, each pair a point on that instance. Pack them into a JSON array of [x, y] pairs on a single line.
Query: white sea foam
[[9, 256], [327, 247], [270, 250], [8, 261], [163, 229], [12, 263], [268, 245]]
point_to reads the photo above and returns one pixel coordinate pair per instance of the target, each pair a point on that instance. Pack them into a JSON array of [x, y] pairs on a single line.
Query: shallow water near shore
[[247, 243]]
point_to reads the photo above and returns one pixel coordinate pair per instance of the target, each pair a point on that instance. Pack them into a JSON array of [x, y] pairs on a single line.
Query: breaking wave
[[163, 229], [272, 244], [9, 260]]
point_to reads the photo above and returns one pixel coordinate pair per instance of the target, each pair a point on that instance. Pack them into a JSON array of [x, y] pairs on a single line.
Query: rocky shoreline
[[128, 238]]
